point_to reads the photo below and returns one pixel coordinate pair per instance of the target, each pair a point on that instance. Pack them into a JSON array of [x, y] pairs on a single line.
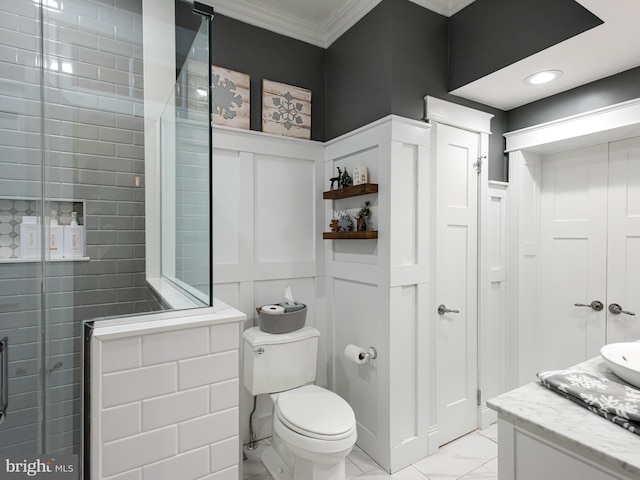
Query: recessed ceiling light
[[543, 77]]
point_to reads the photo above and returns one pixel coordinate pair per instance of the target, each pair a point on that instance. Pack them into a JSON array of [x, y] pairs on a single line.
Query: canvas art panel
[[286, 110], [230, 98]]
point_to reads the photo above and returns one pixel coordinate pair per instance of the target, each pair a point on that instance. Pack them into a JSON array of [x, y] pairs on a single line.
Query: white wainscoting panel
[[524, 170], [379, 293], [496, 370], [265, 235], [284, 201]]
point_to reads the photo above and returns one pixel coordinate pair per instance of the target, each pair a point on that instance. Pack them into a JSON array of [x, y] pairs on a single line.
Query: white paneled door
[[590, 251], [573, 267], [623, 266], [456, 281]]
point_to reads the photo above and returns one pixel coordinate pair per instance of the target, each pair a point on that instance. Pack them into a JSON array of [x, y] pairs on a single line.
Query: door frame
[[443, 112], [525, 148]]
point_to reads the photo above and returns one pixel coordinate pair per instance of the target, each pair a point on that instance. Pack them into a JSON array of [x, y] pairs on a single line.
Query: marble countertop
[[554, 417]]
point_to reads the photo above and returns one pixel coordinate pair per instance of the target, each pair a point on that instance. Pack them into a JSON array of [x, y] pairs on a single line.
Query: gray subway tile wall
[[92, 139]]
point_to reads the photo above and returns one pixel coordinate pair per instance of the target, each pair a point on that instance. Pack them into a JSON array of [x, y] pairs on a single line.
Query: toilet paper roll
[[272, 309], [356, 354]]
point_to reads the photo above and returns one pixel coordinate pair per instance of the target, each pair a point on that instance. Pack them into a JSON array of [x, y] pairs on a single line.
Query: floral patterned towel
[[618, 403]]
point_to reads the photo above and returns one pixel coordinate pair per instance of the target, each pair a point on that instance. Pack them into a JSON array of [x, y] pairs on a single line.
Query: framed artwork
[[286, 110], [230, 98]]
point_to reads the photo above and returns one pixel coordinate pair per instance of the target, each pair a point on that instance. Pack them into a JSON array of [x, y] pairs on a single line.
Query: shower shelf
[[35, 260], [12, 209]]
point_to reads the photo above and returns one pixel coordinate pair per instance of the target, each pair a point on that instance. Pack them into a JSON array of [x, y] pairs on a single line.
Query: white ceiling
[[602, 51], [605, 50]]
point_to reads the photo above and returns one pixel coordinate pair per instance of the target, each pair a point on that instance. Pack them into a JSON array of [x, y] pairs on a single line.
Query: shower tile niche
[[12, 211]]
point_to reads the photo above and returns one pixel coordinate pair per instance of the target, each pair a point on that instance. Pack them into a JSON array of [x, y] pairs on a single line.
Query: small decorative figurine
[[361, 217], [345, 224], [337, 179], [333, 224], [346, 181], [360, 175]]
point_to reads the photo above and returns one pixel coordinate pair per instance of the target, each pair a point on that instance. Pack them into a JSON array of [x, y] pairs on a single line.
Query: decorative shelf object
[[352, 191], [365, 235], [346, 192]]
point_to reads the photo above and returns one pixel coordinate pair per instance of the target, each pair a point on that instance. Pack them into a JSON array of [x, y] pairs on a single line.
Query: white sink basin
[[624, 360]]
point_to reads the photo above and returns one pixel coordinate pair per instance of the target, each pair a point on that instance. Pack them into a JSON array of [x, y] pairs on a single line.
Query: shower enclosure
[[72, 139]]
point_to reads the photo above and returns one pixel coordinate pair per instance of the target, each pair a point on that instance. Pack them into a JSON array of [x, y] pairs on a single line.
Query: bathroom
[[88, 142]]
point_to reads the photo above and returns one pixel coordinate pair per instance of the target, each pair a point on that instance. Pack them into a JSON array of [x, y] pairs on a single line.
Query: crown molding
[[320, 35], [346, 18], [606, 124], [443, 7], [262, 17]]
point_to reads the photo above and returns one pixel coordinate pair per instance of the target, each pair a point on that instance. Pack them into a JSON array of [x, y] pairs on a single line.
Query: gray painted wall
[[266, 55], [359, 77], [608, 91], [93, 134], [387, 63], [488, 35]]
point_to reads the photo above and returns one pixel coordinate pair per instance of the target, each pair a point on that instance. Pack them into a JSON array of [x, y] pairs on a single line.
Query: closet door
[[456, 282], [623, 270], [573, 256]]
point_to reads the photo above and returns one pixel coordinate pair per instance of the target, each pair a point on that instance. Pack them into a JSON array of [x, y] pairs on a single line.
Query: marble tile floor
[[472, 457]]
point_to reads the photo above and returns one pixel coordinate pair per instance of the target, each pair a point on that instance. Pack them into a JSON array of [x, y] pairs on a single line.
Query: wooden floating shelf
[[352, 191], [366, 235]]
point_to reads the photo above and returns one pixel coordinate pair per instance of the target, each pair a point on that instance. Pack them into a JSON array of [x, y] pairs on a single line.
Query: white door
[[456, 281], [623, 278], [590, 251], [573, 253]]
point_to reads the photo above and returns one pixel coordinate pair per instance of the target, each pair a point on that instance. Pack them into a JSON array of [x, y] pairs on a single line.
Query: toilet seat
[[315, 412]]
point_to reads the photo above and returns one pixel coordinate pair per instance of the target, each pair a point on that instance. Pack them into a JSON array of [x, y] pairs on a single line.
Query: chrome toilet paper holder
[[370, 354]]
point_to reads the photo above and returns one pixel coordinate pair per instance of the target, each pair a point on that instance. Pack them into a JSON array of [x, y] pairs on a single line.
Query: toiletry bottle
[[55, 237], [30, 238], [73, 238]]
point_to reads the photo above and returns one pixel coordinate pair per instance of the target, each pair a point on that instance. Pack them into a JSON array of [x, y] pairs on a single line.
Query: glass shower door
[[21, 183], [71, 140]]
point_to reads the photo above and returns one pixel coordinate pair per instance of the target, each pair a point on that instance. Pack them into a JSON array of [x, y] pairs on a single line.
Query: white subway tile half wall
[[224, 395], [128, 386], [224, 338], [139, 450], [172, 346], [121, 422], [178, 418], [228, 474], [200, 371], [174, 408], [121, 354], [188, 466], [130, 475], [225, 454], [206, 430]]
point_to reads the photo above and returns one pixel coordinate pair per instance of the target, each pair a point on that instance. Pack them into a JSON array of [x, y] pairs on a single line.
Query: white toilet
[[313, 429]]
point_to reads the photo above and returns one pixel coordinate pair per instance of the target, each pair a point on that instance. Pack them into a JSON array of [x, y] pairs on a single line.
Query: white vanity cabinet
[[542, 435]]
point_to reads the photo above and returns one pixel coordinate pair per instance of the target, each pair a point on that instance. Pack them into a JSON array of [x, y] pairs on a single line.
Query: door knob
[[442, 309], [617, 309], [596, 305]]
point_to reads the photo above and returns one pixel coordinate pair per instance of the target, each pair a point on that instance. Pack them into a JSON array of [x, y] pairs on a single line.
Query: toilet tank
[[278, 362]]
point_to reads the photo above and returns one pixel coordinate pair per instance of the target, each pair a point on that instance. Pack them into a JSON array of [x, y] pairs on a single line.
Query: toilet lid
[[316, 412]]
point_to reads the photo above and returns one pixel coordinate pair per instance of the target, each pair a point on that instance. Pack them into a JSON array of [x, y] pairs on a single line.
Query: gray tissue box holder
[[283, 323]]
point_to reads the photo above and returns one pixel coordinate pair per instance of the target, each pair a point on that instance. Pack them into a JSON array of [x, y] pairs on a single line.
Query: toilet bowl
[[313, 431]]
